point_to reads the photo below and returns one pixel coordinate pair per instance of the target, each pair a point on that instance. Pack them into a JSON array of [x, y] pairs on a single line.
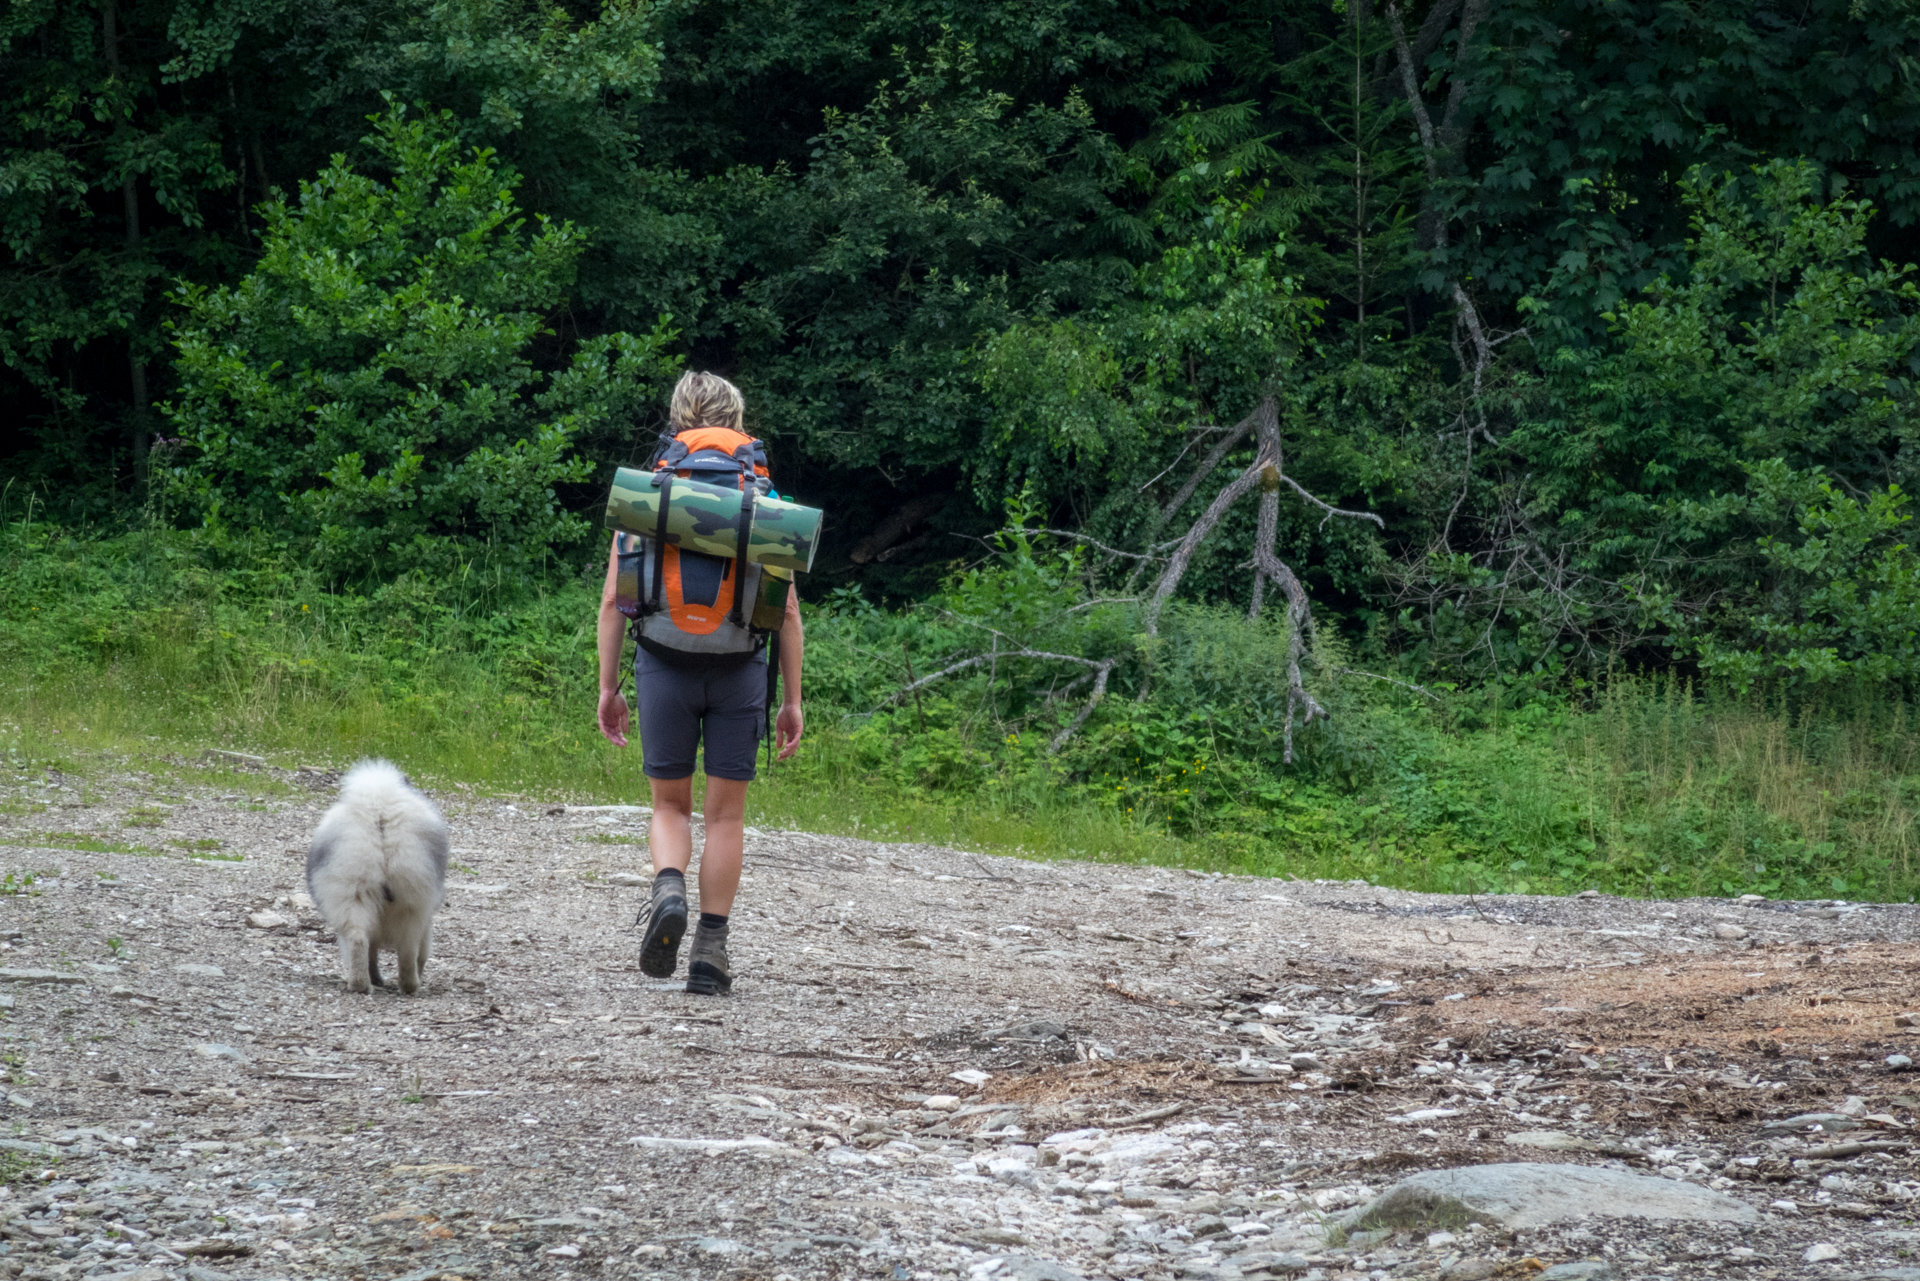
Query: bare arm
[[791, 723], [613, 632]]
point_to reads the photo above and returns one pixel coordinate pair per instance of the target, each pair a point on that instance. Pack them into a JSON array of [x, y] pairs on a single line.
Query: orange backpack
[[691, 609]]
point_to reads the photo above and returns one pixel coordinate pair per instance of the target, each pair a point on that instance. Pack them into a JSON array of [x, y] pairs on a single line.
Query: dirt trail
[[934, 1064]]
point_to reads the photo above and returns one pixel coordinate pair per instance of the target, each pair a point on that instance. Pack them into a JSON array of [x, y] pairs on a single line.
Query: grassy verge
[[142, 654]]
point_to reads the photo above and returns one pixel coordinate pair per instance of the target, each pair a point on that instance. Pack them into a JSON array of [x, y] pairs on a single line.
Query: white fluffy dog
[[377, 871]]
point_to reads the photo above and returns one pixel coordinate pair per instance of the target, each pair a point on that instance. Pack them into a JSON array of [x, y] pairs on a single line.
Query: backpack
[[690, 609]]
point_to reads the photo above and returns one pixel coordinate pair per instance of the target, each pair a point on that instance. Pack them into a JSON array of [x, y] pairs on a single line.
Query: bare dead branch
[[1267, 529], [1091, 542], [1328, 508], [1375, 676], [1102, 670], [1215, 456], [966, 663]]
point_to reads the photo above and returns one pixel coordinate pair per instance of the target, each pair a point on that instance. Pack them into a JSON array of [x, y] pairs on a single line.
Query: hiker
[[702, 678]]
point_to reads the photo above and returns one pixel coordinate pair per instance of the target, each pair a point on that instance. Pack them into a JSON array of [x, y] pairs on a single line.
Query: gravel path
[[934, 1064]]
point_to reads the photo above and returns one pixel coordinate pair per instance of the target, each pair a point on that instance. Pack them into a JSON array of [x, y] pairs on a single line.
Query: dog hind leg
[[354, 957], [406, 952]]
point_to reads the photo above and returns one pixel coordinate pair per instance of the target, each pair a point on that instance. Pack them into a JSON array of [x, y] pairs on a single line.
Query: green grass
[[145, 655]]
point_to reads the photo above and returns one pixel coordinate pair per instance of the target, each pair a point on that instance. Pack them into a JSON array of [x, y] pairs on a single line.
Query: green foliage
[[1647, 788], [1840, 597], [369, 387]]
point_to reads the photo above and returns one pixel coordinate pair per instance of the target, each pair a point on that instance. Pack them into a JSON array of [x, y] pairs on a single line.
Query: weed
[[612, 838], [145, 816], [88, 843], [16, 883]]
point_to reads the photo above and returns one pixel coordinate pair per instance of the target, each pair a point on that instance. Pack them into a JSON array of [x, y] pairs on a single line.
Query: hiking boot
[[666, 925], [708, 971]]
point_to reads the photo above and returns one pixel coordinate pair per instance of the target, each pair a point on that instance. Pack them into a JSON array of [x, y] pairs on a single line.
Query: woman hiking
[[701, 681]]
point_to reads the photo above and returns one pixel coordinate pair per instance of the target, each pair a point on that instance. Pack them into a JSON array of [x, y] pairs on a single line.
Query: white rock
[[267, 920], [1728, 930], [971, 1076], [1529, 1194], [198, 970], [626, 879], [214, 1050], [942, 1103], [1435, 1240], [1821, 1252], [565, 1252]]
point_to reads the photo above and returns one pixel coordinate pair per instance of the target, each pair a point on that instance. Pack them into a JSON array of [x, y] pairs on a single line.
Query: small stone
[[1436, 1240], [626, 880], [942, 1103], [1584, 1270], [1551, 1140], [1474, 1269], [214, 1050], [565, 1252], [121, 992], [1906, 1020], [1025, 1267], [40, 976], [1303, 1062], [1728, 930], [1899, 1062], [1588, 894], [650, 1251], [718, 1245], [970, 1076], [197, 970], [1784, 1206], [1753, 898], [924, 945], [301, 900], [1821, 1252], [267, 920]]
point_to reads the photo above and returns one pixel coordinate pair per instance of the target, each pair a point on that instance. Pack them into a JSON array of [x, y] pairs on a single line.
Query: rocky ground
[[933, 1065]]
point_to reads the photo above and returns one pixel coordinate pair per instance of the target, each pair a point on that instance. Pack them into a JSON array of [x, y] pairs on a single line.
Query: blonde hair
[[705, 400]]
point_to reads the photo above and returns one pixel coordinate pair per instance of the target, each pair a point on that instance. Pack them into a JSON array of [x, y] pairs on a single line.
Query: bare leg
[[725, 814], [670, 835]]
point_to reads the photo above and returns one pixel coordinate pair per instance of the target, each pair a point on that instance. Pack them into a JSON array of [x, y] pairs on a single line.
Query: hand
[[788, 727], [613, 716]]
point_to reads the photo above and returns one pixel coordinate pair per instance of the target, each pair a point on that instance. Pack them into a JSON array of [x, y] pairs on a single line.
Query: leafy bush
[[371, 389]]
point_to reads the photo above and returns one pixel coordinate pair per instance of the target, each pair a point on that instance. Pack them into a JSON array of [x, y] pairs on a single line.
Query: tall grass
[[142, 651]]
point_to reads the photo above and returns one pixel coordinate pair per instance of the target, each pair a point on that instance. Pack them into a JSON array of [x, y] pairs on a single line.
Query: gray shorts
[[676, 707]]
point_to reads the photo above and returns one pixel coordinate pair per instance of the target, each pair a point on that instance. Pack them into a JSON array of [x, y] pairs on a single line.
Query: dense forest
[[1172, 375]]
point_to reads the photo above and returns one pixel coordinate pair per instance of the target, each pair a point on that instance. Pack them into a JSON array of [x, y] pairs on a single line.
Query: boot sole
[[660, 952], [705, 980]]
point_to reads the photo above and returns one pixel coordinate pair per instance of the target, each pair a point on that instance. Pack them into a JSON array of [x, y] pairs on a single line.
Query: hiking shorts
[[676, 708]]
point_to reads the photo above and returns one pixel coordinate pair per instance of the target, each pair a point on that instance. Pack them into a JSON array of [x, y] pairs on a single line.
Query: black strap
[[660, 541], [773, 688], [742, 525]]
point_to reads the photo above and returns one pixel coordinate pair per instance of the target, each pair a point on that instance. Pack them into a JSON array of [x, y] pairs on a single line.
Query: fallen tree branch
[[1329, 508], [1375, 676], [1091, 542]]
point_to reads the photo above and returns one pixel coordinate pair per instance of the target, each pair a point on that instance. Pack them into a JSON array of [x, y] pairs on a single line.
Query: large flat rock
[[1532, 1194]]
